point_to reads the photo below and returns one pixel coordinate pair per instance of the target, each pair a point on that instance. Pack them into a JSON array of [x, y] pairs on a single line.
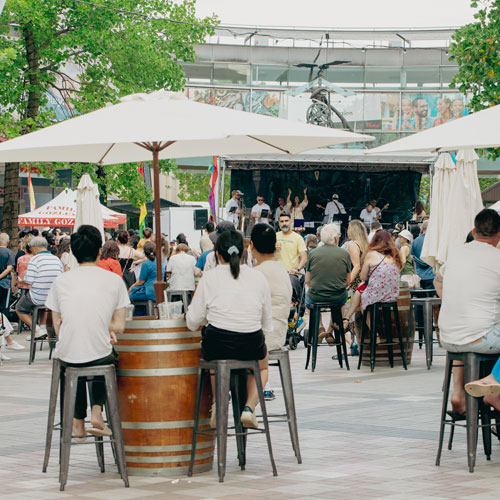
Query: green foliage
[[486, 182], [425, 191], [476, 49], [196, 186], [86, 57]]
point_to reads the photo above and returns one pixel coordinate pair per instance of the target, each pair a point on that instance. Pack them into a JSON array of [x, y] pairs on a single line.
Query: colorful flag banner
[[144, 212], [213, 183], [31, 194]]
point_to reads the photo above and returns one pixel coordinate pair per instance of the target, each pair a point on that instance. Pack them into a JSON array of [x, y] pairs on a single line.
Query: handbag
[[128, 275]]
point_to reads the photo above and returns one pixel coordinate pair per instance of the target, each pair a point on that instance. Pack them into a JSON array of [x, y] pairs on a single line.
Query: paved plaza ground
[[362, 435]]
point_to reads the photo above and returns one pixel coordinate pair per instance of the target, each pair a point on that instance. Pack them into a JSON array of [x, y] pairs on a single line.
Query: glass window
[[345, 76], [381, 76], [198, 72], [447, 73], [269, 75], [231, 73], [420, 75]]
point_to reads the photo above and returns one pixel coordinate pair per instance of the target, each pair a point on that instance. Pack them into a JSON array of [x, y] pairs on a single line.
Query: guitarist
[[377, 210]]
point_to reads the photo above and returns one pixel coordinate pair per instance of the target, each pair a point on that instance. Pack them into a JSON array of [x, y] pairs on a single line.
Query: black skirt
[[217, 343]]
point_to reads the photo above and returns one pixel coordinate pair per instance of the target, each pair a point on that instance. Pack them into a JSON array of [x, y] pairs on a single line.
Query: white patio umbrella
[[88, 208], [456, 200], [475, 131], [167, 125]]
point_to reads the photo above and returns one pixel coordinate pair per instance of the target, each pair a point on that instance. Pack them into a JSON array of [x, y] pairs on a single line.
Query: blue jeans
[[489, 343]]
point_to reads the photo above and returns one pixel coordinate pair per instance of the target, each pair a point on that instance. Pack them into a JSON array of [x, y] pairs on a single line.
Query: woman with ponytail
[[234, 301], [143, 288]]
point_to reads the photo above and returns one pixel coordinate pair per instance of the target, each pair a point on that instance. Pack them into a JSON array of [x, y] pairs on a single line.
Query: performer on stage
[[332, 210], [281, 209], [261, 212], [368, 215], [378, 211], [233, 207], [298, 206]]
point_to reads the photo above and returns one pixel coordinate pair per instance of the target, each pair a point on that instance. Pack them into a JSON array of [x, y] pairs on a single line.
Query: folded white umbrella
[[475, 131], [167, 125], [88, 208], [456, 200]]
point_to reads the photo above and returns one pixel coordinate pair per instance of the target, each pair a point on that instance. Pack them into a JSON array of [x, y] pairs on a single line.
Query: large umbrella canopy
[[88, 208], [477, 130], [61, 211], [456, 200], [182, 128], [167, 125]]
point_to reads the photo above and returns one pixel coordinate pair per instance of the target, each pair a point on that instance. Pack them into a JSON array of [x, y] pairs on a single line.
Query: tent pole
[[159, 284]]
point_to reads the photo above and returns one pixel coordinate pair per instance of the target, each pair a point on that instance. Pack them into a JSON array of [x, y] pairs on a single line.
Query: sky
[[340, 13]]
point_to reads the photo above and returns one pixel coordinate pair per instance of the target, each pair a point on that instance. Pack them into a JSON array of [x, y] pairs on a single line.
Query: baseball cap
[[222, 227], [335, 197]]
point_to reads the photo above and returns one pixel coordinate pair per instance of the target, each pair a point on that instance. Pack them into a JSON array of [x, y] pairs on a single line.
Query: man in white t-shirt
[[332, 210], [468, 283], [181, 270], [233, 207], [261, 212], [88, 308], [368, 215]]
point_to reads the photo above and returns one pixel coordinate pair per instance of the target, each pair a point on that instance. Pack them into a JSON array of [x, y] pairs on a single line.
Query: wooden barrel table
[[157, 379], [382, 353]]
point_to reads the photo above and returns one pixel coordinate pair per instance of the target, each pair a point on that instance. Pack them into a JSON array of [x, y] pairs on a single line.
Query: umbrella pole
[[159, 284]]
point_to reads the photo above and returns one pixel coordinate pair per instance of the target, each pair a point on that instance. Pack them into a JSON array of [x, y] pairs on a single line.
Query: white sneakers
[[14, 346], [41, 332], [3, 357]]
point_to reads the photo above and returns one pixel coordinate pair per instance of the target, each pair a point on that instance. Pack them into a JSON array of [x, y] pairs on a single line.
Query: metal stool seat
[[376, 310], [427, 304], [474, 409], [312, 338], [68, 385], [185, 295], [282, 361], [230, 374]]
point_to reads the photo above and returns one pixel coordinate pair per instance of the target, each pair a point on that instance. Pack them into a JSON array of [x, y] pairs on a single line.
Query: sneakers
[[269, 395], [14, 346], [3, 357], [213, 417], [40, 334], [248, 418]]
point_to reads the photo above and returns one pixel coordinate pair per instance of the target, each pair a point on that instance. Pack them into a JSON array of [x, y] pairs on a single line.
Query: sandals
[[479, 390], [94, 431]]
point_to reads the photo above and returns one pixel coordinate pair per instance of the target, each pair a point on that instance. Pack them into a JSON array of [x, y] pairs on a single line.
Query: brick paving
[[363, 435]]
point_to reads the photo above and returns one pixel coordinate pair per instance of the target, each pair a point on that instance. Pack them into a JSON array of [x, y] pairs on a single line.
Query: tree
[[196, 186], [476, 49], [87, 54]]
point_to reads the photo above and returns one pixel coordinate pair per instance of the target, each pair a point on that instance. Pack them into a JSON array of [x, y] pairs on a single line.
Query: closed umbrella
[[88, 208], [456, 200], [167, 125]]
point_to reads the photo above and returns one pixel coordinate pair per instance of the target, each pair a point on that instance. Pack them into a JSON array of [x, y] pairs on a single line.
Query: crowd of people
[[243, 289]]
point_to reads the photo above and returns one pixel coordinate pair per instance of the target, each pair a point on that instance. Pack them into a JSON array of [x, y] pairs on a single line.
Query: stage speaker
[[200, 218]]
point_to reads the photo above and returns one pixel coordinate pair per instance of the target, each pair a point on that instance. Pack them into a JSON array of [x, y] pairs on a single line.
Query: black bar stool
[[68, 385], [375, 311], [37, 310], [472, 363], [427, 304], [282, 361], [230, 374], [312, 338]]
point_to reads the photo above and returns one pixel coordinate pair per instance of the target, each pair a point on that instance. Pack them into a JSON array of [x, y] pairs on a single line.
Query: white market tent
[[61, 212]]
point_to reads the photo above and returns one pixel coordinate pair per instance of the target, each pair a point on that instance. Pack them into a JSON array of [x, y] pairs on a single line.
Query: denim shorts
[[489, 343]]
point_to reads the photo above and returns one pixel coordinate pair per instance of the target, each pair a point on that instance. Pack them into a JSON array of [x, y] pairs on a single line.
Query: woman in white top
[[234, 302], [64, 253]]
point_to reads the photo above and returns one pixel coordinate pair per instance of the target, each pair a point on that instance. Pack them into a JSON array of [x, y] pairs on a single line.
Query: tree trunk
[[11, 200], [11, 204]]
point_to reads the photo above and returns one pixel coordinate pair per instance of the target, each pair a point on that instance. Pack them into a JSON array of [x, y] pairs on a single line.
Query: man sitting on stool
[[469, 319], [328, 274], [88, 308], [43, 269]]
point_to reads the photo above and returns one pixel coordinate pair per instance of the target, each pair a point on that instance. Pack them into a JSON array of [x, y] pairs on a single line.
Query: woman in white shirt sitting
[[234, 302]]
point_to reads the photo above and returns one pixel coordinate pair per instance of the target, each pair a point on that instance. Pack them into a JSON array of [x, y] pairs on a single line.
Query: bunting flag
[[213, 182], [144, 212], [31, 193]]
